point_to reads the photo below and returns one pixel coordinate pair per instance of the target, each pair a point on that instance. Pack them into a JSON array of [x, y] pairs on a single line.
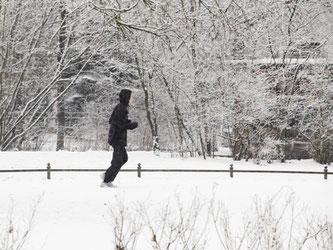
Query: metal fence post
[[48, 171], [325, 172], [231, 171], [139, 170]]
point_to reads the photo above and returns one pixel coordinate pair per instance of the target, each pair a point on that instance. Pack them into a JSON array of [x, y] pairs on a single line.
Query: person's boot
[[108, 184]]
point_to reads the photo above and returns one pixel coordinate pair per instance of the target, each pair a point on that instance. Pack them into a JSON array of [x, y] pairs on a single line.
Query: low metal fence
[[139, 170]]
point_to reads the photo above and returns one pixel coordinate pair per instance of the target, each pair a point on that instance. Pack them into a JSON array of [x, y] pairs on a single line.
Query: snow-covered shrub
[[275, 223], [167, 228], [177, 228], [268, 151], [127, 226], [15, 230]]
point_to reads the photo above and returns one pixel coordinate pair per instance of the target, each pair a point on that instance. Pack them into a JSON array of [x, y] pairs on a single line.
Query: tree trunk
[[156, 145], [61, 84], [180, 120], [152, 121]]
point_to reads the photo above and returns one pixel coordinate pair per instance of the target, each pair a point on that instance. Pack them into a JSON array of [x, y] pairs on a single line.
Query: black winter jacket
[[119, 122]]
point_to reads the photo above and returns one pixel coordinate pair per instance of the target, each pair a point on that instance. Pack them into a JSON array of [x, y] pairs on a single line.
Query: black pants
[[119, 158]]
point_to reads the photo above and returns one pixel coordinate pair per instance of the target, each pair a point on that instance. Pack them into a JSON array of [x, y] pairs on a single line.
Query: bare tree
[[29, 92]]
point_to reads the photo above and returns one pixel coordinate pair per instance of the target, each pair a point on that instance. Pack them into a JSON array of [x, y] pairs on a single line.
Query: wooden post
[[325, 173], [231, 171], [48, 171], [139, 170]]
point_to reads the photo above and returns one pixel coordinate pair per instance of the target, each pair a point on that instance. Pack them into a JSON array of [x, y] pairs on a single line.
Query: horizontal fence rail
[[139, 170]]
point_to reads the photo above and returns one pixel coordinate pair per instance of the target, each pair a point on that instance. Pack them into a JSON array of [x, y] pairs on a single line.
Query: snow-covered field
[[73, 212]]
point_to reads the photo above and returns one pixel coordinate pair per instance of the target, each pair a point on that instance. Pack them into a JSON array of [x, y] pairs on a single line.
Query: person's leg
[[125, 159], [119, 158]]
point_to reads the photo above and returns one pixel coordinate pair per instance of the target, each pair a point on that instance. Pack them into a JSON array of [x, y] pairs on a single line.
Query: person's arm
[[122, 122], [132, 125]]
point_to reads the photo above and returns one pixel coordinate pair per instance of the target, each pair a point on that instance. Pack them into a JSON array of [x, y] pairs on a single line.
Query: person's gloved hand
[[134, 125]]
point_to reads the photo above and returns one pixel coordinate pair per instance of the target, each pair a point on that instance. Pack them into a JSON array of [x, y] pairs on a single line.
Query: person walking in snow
[[119, 124]]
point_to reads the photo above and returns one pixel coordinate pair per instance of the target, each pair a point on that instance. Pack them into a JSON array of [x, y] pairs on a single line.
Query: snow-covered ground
[[73, 212]]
